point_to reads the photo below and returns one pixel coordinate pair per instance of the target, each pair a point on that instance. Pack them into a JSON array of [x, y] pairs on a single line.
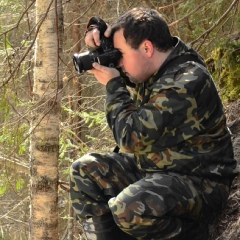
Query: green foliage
[[203, 18], [15, 138], [4, 182], [12, 136], [19, 184], [5, 108], [9, 181], [97, 134], [224, 65], [6, 5], [94, 119], [67, 146], [3, 188]]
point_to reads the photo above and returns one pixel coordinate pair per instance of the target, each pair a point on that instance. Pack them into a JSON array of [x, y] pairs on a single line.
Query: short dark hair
[[141, 24]]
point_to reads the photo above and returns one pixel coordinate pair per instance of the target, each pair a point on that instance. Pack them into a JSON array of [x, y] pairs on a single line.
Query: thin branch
[[18, 221], [193, 11], [175, 17], [214, 38], [216, 23], [20, 19], [30, 47], [14, 163], [15, 207], [170, 5], [75, 20]]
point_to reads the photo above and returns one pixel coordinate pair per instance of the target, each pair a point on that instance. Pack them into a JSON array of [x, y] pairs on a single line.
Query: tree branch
[[14, 163], [12, 209], [193, 11], [170, 5], [29, 48], [216, 23]]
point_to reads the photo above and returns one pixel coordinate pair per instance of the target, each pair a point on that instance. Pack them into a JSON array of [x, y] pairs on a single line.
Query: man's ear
[[147, 47]]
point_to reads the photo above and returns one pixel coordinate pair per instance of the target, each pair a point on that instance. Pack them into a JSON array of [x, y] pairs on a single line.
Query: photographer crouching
[[175, 165]]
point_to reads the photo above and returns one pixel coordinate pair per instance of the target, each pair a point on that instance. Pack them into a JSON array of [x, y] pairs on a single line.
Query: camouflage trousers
[[144, 205]]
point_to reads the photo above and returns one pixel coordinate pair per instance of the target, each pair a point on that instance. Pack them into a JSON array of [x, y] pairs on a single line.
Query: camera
[[105, 55]]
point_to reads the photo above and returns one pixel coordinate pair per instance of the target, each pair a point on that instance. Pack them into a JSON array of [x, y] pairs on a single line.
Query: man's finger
[[108, 31], [99, 67], [92, 38], [96, 37]]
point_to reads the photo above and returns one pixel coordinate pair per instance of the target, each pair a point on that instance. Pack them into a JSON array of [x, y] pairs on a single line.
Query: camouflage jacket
[[174, 122]]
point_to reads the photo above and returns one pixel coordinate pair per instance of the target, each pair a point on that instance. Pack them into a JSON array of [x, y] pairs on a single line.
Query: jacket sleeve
[[168, 118]]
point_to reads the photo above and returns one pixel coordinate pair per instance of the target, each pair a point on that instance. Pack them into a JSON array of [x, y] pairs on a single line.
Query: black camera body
[[105, 55]]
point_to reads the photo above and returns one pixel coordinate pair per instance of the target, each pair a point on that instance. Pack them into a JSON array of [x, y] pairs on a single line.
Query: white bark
[[45, 122]]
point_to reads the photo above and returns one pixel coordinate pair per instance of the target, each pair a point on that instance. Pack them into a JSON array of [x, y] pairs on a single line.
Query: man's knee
[[120, 215], [82, 162], [127, 210], [78, 171]]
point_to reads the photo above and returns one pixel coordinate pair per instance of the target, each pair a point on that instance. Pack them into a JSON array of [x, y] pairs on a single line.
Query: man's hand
[[103, 74], [92, 37]]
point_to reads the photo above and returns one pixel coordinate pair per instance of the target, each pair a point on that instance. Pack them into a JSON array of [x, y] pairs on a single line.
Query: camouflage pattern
[[182, 126], [176, 162], [147, 206], [99, 178]]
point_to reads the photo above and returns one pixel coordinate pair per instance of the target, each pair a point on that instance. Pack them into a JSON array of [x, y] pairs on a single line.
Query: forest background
[[50, 115]]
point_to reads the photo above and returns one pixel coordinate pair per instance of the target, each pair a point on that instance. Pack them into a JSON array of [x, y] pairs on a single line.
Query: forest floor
[[227, 225]]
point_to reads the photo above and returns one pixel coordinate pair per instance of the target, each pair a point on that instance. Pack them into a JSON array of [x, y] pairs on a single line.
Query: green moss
[[224, 65]]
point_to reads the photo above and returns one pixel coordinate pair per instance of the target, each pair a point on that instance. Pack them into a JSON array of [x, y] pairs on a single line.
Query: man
[[176, 163]]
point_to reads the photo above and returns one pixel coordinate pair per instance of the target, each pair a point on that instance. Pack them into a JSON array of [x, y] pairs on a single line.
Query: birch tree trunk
[[44, 145]]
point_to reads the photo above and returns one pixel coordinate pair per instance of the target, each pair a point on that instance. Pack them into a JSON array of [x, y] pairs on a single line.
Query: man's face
[[134, 62]]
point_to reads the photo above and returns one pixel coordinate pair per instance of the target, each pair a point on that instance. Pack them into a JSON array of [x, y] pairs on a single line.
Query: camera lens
[[82, 61]]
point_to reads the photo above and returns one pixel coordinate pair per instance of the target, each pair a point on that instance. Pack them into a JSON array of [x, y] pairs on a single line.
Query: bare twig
[[15, 207], [75, 20], [18, 221], [20, 19], [14, 163], [170, 5], [235, 2], [29, 48], [193, 11]]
